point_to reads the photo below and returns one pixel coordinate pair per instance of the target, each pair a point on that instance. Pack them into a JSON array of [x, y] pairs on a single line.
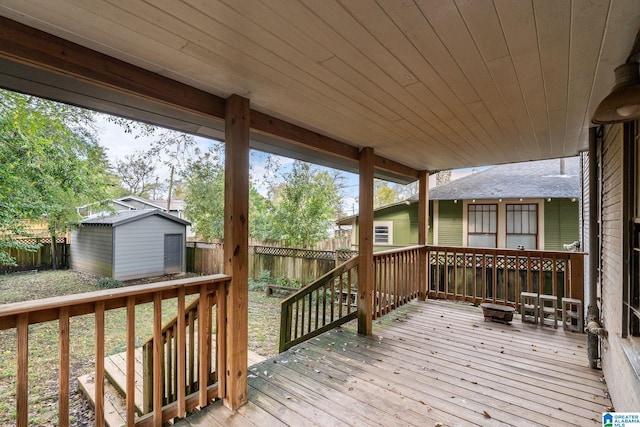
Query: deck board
[[426, 363]]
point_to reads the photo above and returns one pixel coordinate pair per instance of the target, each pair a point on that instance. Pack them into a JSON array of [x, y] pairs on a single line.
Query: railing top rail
[[321, 281], [515, 252], [398, 250], [113, 298]]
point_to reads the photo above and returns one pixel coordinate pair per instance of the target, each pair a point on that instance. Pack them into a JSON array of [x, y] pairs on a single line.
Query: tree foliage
[[204, 197], [137, 174], [306, 203], [204, 200], [50, 163]]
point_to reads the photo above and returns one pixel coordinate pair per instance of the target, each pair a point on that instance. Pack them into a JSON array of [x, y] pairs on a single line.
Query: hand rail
[[170, 362], [22, 314], [498, 276], [320, 306], [396, 278], [331, 300]]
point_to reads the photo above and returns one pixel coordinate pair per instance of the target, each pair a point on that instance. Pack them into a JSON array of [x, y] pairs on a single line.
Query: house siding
[[450, 223], [405, 225], [140, 247], [622, 381], [561, 223], [92, 250]]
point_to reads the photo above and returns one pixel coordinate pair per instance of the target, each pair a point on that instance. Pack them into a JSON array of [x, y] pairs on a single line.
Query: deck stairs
[[115, 385]]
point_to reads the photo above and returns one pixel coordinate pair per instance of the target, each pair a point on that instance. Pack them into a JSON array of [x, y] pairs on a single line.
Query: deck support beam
[[365, 242], [423, 231], [236, 248]]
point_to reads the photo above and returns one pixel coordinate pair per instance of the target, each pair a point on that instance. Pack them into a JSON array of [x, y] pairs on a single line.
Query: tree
[[204, 200], [383, 194], [204, 197], [305, 205], [50, 163], [443, 177], [137, 174]]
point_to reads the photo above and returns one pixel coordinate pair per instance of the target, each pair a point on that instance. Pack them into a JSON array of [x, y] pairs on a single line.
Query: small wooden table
[[497, 312]]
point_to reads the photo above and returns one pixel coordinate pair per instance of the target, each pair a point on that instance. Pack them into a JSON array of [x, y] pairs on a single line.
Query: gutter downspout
[[594, 329]]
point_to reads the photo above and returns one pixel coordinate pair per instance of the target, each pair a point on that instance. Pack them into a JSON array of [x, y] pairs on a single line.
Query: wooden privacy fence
[[41, 257], [301, 265], [498, 276], [59, 309]]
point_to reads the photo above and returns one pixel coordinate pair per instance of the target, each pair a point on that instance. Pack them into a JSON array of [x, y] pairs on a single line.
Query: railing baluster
[[63, 367], [158, 350], [181, 348], [221, 340], [168, 365], [131, 361], [204, 342], [22, 377], [192, 350], [99, 376], [297, 319]]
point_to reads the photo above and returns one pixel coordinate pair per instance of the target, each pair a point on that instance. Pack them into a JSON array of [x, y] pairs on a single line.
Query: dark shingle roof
[[540, 179], [128, 216]]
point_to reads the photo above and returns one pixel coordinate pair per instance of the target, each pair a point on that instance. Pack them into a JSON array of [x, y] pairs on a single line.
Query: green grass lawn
[[264, 314]]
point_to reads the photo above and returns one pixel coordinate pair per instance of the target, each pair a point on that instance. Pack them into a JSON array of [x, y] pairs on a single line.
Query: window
[[482, 225], [383, 233], [522, 226]]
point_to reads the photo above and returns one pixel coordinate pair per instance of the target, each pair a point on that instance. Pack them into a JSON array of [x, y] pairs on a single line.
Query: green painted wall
[[560, 223], [450, 223], [405, 224]]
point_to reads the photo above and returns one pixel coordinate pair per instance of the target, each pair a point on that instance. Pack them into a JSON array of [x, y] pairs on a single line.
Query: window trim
[[389, 225], [537, 219], [497, 225]]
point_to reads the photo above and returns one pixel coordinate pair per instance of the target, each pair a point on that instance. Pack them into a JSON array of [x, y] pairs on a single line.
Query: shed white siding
[[140, 247], [92, 250]]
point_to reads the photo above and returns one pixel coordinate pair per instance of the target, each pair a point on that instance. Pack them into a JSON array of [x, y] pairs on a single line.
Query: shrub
[[108, 283]]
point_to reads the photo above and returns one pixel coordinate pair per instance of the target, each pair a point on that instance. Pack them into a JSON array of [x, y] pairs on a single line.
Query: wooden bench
[[269, 289], [497, 312]]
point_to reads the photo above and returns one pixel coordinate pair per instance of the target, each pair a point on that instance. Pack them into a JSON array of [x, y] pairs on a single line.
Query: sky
[[119, 144]]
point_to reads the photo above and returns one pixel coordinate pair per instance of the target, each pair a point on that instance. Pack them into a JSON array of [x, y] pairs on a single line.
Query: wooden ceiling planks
[[428, 84]]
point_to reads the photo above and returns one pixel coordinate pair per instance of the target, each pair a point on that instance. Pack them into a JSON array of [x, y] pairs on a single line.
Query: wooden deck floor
[[427, 363]]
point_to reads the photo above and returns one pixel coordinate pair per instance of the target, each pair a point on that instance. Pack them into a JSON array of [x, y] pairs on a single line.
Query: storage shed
[[130, 245]]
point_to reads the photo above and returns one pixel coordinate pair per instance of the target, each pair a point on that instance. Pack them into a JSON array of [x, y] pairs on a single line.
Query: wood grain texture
[[365, 241], [63, 367], [236, 248], [426, 363]]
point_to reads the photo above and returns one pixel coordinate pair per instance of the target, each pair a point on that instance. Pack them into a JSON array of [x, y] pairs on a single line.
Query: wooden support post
[[236, 247], [423, 233], [365, 242]]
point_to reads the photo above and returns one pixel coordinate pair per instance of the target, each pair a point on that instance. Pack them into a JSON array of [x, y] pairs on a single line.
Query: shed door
[[172, 253]]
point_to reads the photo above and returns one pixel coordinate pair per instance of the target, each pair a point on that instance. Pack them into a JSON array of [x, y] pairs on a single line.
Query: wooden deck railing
[[172, 356], [61, 309], [331, 300], [480, 275], [320, 306], [396, 278]]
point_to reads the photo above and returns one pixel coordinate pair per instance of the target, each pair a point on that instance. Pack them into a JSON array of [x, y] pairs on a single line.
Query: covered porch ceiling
[[430, 85]]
